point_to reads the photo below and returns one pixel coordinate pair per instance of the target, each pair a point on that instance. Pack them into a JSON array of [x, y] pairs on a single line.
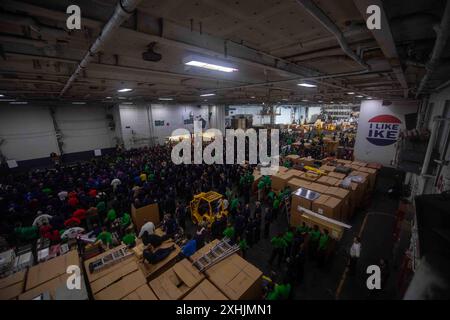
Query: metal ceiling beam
[[385, 40], [321, 17]]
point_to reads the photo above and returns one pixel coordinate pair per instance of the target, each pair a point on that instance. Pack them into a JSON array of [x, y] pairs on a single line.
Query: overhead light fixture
[[2, 95], [304, 100], [285, 99], [332, 102], [7, 100], [210, 66], [125, 90], [79, 102], [207, 95], [350, 93], [165, 99], [123, 98], [369, 98], [18, 102], [127, 103], [252, 97], [108, 98], [307, 85], [320, 101], [360, 96]]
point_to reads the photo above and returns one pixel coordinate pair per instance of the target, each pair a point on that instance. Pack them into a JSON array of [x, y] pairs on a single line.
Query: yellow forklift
[[207, 205]]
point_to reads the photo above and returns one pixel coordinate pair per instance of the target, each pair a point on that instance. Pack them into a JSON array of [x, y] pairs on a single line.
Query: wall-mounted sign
[[159, 123], [383, 130]]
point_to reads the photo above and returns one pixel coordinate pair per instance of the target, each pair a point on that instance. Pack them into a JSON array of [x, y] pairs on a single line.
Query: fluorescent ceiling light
[[125, 90], [2, 95], [350, 93], [305, 100], [320, 101], [18, 102], [307, 85], [285, 99], [108, 97], [78, 102], [207, 95], [7, 100], [123, 98], [369, 98], [165, 99], [127, 103], [252, 97], [210, 66], [360, 96]]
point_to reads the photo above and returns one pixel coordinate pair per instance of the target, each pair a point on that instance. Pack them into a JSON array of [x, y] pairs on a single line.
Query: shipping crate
[[142, 293], [151, 271], [122, 287]]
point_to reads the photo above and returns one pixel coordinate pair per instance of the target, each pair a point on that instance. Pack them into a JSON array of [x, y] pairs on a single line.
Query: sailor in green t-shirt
[[125, 220], [234, 204], [101, 207], [105, 237], [129, 239], [111, 216], [289, 238], [229, 232], [276, 207], [303, 228], [278, 247], [243, 246], [314, 235], [324, 239], [261, 186]]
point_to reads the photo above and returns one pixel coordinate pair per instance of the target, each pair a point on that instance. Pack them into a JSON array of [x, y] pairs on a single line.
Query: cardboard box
[[52, 287], [124, 268], [104, 272], [364, 183], [372, 176], [327, 206], [145, 214], [122, 288], [12, 286], [336, 231], [306, 161], [374, 165], [278, 181], [344, 195], [360, 163], [337, 175], [295, 159], [205, 291], [296, 183], [317, 187], [152, 271], [236, 278], [176, 282], [51, 269], [327, 168], [327, 180], [142, 293], [310, 176]]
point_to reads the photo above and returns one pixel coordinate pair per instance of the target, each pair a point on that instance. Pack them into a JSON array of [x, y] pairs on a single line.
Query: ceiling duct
[[122, 12]]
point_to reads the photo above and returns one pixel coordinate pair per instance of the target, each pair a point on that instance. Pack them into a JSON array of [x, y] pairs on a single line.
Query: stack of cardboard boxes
[[12, 286], [335, 202]]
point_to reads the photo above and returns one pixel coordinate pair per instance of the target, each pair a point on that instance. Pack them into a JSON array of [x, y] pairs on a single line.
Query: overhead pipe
[[443, 32], [123, 10], [321, 17]]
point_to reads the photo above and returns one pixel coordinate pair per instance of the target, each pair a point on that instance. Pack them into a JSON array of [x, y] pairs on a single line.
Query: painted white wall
[[313, 111], [285, 116], [84, 127], [135, 125], [28, 132], [138, 121], [254, 110], [364, 149]]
